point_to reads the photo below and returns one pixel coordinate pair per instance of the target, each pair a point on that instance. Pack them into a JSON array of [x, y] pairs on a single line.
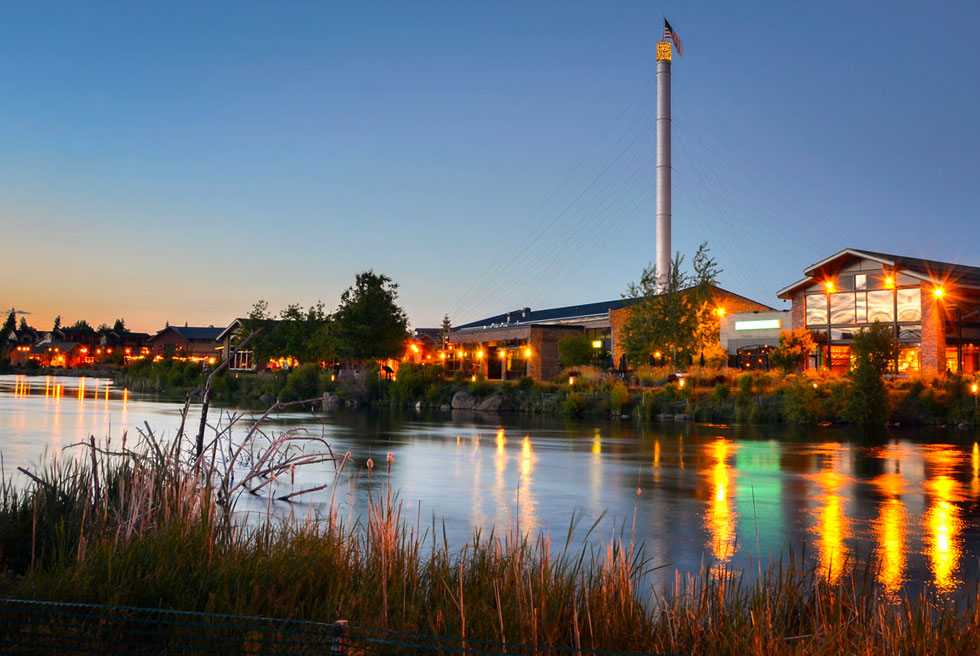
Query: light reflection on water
[[707, 494]]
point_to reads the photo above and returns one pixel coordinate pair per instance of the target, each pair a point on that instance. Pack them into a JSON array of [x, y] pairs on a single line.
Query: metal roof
[[569, 312]]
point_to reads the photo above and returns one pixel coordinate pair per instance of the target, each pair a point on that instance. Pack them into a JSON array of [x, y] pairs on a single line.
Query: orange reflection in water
[[942, 526], [721, 517], [975, 481], [501, 441], [832, 525], [527, 457], [890, 531]]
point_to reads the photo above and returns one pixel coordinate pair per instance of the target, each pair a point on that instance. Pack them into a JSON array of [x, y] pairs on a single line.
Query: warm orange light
[[974, 388], [829, 285], [473, 379], [571, 380], [84, 350], [442, 356], [479, 355], [889, 281], [128, 350], [938, 291], [415, 348], [501, 353], [527, 353], [109, 351], [656, 354], [720, 311], [680, 383]]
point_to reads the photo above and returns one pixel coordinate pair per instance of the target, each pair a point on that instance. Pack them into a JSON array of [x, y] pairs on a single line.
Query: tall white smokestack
[[663, 164]]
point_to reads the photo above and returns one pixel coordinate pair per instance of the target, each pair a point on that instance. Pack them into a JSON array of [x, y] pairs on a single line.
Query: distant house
[[51, 354], [197, 342]]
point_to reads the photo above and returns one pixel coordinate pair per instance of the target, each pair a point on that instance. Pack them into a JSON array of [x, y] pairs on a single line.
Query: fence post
[[341, 638]]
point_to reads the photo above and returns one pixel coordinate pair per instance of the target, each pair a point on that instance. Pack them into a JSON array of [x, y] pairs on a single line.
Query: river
[[694, 495]]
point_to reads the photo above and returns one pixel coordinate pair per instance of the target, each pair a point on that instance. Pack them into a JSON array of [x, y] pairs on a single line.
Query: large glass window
[[881, 306], [910, 333], [816, 309], [862, 308], [909, 304], [842, 308]]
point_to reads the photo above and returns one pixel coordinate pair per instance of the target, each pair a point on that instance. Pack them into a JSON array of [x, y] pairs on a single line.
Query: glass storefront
[[863, 300]]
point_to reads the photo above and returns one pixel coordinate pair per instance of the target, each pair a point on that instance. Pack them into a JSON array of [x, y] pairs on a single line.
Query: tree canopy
[[676, 320], [368, 324]]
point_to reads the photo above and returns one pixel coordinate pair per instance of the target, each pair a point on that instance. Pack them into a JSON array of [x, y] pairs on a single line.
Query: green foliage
[[368, 324], [415, 381], [802, 403], [619, 397], [575, 350], [874, 348], [793, 350], [679, 319], [291, 335], [303, 382], [574, 404]]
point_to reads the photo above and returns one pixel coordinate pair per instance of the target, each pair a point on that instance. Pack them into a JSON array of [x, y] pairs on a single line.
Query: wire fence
[[44, 627]]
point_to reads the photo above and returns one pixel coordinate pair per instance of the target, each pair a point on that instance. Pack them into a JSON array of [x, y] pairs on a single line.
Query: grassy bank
[[707, 395], [155, 527]]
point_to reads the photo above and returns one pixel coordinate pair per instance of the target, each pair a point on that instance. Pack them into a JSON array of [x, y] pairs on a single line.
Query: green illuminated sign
[[759, 324]]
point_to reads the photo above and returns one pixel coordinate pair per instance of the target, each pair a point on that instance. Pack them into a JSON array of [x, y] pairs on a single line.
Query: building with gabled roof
[[932, 306], [524, 342], [198, 342]]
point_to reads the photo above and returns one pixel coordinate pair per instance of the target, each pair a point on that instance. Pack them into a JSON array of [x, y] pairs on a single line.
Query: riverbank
[[156, 529], [703, 395]]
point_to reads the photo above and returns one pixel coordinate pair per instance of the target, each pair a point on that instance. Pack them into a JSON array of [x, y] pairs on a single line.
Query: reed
[[154, 526]]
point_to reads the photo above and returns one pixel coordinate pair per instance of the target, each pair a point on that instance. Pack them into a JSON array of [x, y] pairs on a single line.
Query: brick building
[[525, 342], [933, 308], [198, 342], [725, 301]]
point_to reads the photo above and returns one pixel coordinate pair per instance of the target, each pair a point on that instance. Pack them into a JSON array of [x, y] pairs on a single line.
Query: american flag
[[669, 33]]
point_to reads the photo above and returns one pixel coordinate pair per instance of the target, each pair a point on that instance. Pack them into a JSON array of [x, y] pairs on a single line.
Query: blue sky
[[177, 162]]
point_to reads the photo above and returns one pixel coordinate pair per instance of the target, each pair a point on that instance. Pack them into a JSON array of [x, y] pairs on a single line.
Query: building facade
[[932, 307]]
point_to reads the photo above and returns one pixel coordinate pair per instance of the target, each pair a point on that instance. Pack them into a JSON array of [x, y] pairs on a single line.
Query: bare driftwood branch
[[206, 399]]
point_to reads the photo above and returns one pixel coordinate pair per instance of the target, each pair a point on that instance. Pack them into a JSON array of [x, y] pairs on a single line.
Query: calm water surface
[[701, 495]]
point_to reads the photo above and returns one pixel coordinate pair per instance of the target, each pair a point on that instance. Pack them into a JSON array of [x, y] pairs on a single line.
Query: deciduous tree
[[677, 319], [368, 323]]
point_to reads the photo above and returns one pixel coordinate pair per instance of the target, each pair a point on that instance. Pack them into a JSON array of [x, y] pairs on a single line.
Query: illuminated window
[[881, 306], [861, 281], [908, 360], [816, 309], [842, 308], [951, 359], [909, 304]]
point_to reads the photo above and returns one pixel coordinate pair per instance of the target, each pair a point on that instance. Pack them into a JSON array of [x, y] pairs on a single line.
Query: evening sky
[[178, 161]]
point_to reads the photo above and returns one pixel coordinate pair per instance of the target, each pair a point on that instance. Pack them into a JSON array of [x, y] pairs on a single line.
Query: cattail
[[370, 463], [391, 457]]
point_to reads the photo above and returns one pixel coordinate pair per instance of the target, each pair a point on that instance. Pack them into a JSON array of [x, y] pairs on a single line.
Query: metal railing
[[45, 627]]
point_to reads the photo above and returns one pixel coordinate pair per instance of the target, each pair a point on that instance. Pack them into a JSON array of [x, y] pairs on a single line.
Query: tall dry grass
[[155, 527]]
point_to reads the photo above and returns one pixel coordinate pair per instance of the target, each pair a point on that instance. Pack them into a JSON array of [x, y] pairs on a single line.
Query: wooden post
[[341, 638]]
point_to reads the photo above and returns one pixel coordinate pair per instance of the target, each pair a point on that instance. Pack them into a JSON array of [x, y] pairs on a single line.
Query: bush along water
[[864, 396]]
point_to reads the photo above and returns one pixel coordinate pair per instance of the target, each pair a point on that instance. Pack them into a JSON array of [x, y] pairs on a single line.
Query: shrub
[[619, 397], [574, 404], [303, 382], [794, 347], [873, 349]]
